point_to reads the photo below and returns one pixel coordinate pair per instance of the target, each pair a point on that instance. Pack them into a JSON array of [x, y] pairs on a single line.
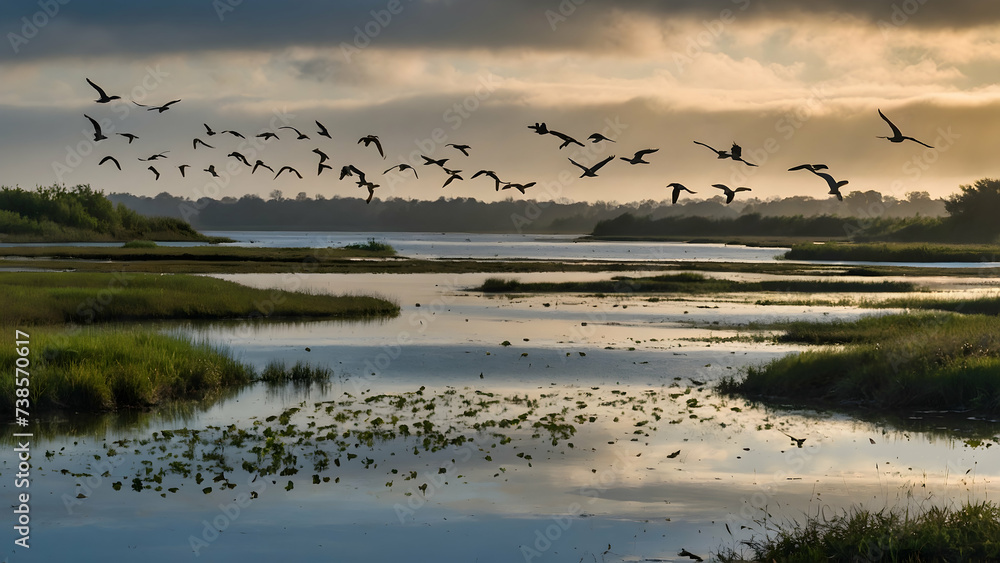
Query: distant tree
[[277, 195], [973, 212], [302, 196]]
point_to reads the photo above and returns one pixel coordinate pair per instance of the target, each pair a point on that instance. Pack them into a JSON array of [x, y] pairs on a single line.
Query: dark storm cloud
[[47, 28]]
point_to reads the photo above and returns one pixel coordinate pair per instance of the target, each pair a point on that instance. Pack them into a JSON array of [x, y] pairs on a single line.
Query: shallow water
[[615, 495]]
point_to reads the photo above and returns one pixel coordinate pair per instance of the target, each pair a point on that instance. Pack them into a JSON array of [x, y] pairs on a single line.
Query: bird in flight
[[567, 140], [834, 185], [195, 142], [239, 156], [351, 170], [463, 148], [539, 128], [402, 167], [720, 154], [155, 173], [112, 159], [369, 139], [300, 134], [518, 187], [428, 161], [100, 91], [678, 188], [809, 167], [323, 167], [322, 130], [260, 164], [452, 176], [183, 167], [592, 171], [267, 135], [322, 156], [730, 193], [160, 109], [233, 133], [597, 138], [98, 135], [156, 156], [637, 159], [489, 173], [128, 136], [898, 137], [208, 130], [371, 189], [290, 169], [736, 153], [211, 170]]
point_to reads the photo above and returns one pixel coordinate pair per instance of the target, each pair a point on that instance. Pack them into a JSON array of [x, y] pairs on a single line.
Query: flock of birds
[[735, 153]]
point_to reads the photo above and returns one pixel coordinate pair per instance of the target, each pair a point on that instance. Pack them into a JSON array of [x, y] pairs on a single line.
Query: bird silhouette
[[519, 187], [898, 137], [195, 142], [128, 136], [637, 158], [322, 130], [208, 130], [233, 133], [719, 154], [300, 134], [157, 174], [463, 148], [211, 170], [182, 167], [290, 169], [797, 441], [736, 153], [322, 156], [323, 167], [351, 170], [833, 184], [156, 156], [159, 109], [489, 173], [597, 138], [239, 156], [98, 135], [809, 167], [112, 159], [369, 139], [428, 161], [371, 189], [592, 171], [452, 176], [402, 167], [539, 128], [730, 193], [567, 140], [678, 188], [104, 98], [267, 135], [260, 164]]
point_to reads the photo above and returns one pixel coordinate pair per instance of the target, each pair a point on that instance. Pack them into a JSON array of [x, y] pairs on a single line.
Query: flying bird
[[489, 173], [155, 172], [195, 142], [369, 139], [597, 138], [730, 193], [428, 161], [402, 167], [322, 130], [678, 188], [156, 156], [351, 170], [898, 137], [211, 170], [267, 135], [463, 148], [720, 154], [450, 171], [104, 97], [208, 130], [519, 187], [128, 136], [260, 164], [736, 153], [371, 189], [567, 140], [112, 159], [182, 167], [300, 134], [233, 133], [637, 158], [539, 128], [239, 156], [591, 172], [809, 167], [834, 185], [98, 135], [160, 109], [322, 156], [323, 167], [290, 169], [453, 175]]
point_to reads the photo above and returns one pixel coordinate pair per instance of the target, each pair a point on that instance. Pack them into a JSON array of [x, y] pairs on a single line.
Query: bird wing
[[895, 130], [580, 166], [808, 167], [98, 88], [322, 130], [378, 145], [736, 152], [97, 127], [708, 147], [723, 187], [919, 142], [602, 163], [644, 152]]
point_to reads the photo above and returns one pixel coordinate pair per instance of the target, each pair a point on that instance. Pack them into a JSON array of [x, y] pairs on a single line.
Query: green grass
[[373, 245], [687, 282], [899, 363], [986, 305], [969, 533], [140, 244], [83, 298], [278, 372], [99, 369], [895, 252]]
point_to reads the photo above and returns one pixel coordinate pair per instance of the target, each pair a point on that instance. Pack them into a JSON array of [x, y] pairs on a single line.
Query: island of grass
[[81, 214], [894, 252], [901, 364], [689, 283], [79, 361]]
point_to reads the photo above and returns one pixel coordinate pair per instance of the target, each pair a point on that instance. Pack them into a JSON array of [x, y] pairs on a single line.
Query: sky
[[791, 82]]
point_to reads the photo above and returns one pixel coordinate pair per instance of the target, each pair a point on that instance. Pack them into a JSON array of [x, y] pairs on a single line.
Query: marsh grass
[[278, 372], [688, 282], [902, 363], [895, 252], [62, 297], [102, 369], [968, 533], [985, 305], [373, 245], [140, 244]]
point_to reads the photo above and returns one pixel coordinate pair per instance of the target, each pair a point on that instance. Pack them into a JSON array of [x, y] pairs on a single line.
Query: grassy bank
[[968, 533], [83, 298], [985, 305], [895, 252], [901, 363], [690, 283]]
